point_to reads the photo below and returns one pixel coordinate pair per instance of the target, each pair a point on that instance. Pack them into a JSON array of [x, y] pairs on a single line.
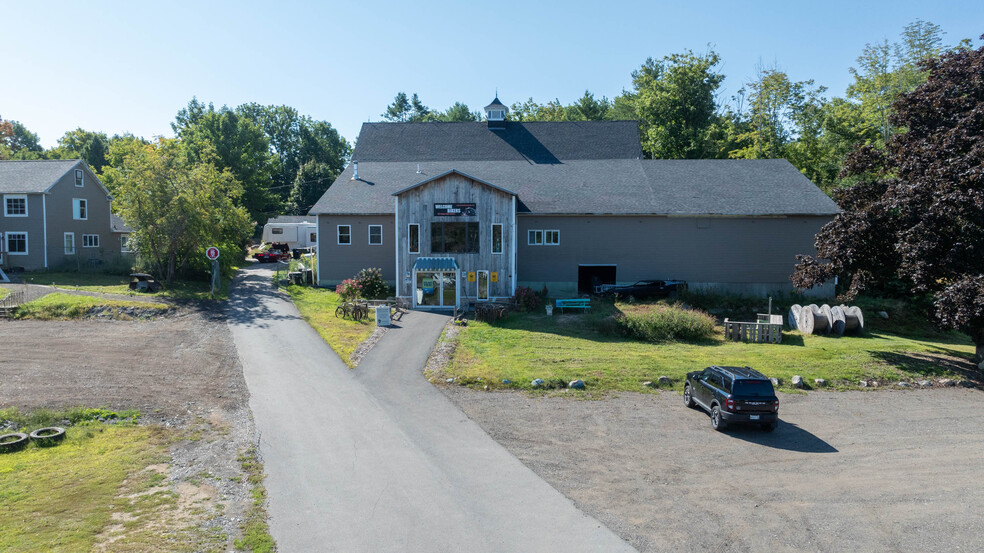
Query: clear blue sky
[[117, 66]]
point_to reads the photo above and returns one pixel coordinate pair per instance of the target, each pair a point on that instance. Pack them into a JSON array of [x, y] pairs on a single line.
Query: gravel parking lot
[[851, 471]]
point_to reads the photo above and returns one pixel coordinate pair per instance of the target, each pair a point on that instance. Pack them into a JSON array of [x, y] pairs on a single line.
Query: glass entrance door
[[436, 289], [483, 285]]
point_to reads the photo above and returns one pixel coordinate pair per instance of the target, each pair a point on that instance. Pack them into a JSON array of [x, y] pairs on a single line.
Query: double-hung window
[[124, 244], [90, 240], [375, 235], [15, 205], [69, 243], [344, 235], [16, 243], [413, 238], [78, 178], [496, 238], [80, 209]]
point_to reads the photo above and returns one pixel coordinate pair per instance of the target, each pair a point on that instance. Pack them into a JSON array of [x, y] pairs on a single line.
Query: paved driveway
[[375, 459]]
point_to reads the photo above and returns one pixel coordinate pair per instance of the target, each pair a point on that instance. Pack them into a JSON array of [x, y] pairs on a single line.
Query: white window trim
[[15, 197], [502, 242], [380, 227], [545, 243], [338, 235], [530, 237], [77, 209], [125, 243], [418, 238], [65, 243], [27, 242], [79, 178]]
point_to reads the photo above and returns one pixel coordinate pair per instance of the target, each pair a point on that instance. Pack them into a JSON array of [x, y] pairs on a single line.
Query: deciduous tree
[[916, 211]]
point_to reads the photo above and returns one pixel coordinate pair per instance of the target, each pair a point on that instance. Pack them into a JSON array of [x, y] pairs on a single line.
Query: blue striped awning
[[435, 264]]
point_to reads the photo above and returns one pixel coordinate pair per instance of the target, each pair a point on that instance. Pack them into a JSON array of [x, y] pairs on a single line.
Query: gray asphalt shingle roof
[[539, 142], [29, 177], [609, 186], [288, 219], [116, 224]]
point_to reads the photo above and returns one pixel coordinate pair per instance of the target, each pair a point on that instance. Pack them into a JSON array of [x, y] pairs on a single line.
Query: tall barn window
[[454, 237], [496, 238], [413, 238]]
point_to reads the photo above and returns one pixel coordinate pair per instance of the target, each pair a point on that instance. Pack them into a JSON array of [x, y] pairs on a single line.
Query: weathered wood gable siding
[[491, 206]]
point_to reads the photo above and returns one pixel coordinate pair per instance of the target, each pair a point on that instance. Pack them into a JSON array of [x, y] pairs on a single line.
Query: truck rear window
[[760, 388]]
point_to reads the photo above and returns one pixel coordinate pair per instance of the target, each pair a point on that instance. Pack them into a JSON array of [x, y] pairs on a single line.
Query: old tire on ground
[[15, 441], [688, 398], [717, 423], [50, 435]]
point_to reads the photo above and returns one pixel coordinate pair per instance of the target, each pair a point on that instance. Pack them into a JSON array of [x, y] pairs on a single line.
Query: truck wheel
[[14, 441], [717, 423], [688, 398]]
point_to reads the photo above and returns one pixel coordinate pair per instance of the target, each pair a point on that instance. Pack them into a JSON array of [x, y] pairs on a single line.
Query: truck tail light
[[775, 406], [729, 404]]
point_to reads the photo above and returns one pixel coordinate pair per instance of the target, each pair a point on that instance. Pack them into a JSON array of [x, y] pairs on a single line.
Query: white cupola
[[495, 114]]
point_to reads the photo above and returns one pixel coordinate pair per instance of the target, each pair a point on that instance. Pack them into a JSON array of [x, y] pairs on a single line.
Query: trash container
[[309, 276]]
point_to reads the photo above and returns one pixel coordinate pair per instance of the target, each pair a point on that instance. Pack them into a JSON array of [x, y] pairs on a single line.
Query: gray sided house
[[455, 212], [56, 214]]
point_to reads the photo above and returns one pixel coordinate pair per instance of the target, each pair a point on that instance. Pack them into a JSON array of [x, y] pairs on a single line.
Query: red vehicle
[[277, 252]]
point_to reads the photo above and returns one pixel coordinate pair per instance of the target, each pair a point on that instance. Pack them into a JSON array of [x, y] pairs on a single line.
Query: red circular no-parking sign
[[212, 253]]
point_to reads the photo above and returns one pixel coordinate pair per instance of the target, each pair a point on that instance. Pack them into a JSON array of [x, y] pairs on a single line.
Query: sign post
[[213, 255]]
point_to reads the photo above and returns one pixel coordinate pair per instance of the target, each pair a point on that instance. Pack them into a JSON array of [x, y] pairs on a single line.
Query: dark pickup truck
[[733, 395]]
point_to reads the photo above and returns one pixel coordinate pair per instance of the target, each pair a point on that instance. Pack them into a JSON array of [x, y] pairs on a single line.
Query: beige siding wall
[[337, 263], [742, 255], [61, 220], [492, 207], [33, 225]]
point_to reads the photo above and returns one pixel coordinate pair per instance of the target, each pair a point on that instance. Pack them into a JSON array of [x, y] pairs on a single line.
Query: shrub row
[[662, 323]]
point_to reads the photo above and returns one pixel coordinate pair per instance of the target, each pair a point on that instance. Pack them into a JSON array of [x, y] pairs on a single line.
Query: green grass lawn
[[526, 346], [119, 284], [68, 306], [317, 307], [61, 498], [4, 293]]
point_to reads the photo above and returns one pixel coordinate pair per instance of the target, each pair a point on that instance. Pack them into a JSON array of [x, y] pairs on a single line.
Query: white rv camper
[[296, 232]]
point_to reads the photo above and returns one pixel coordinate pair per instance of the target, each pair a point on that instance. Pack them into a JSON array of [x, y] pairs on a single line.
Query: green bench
[[580, 303]]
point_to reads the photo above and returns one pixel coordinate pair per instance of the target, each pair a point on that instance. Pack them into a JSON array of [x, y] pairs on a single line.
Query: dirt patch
[[861, 471], [170, 369]]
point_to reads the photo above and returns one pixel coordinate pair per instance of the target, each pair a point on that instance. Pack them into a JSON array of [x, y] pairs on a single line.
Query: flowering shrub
[[349, 289], [371, 283], [527, 298]]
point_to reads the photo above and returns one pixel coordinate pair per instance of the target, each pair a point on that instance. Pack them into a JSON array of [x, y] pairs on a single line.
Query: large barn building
[[455, 212]]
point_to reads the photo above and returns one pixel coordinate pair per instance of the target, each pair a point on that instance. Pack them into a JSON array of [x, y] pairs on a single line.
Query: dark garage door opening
[[589, 276]]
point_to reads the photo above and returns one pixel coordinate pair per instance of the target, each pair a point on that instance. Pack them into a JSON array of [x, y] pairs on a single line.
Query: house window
[[79, 210], [535, 238], [69, 243], [17, 243], [413, 238], [78, 178], [454, 237], [551, 237], [15, 205], [344, 235], [375, 235], [496, 238], [124, 244], [276, 230], [90, 240], [314, 238]]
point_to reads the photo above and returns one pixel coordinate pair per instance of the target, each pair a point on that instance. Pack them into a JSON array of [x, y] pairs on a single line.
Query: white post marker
[[213, 254]]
